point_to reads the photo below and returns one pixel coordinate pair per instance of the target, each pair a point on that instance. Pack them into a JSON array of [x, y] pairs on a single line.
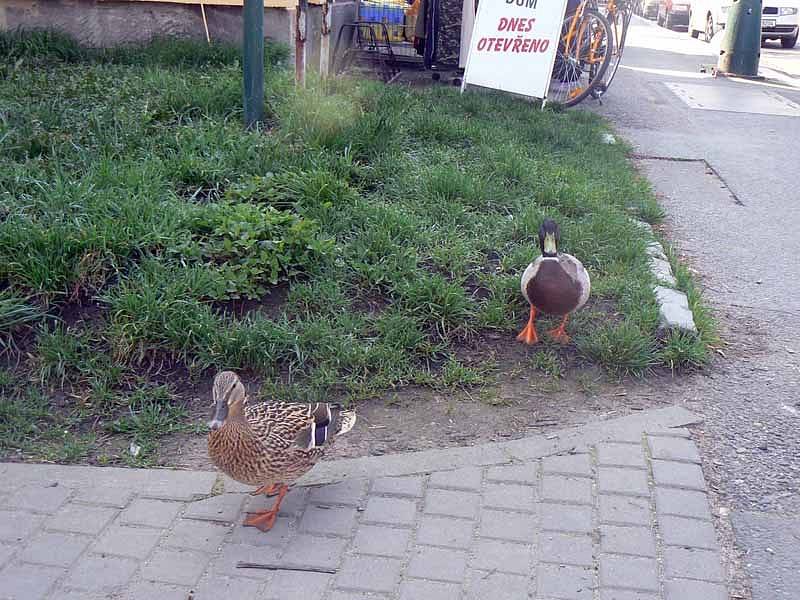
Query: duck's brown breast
[[552, 290]]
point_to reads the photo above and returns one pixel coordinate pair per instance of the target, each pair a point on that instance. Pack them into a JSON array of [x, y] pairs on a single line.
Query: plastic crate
[[392, 14]]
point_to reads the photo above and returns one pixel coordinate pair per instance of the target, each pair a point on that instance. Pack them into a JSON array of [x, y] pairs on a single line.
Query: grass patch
[[683, 350], [16, 313], [354, 245]]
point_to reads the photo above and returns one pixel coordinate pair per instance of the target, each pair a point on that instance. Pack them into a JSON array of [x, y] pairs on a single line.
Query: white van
[[779, 19]]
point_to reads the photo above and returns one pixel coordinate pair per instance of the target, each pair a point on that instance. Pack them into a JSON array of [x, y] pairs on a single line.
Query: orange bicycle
[[618, 13], [584, 52]]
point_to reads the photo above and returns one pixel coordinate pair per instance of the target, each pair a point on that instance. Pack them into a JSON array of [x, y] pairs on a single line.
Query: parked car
[[673, 13], [647, 9], [779, 19]]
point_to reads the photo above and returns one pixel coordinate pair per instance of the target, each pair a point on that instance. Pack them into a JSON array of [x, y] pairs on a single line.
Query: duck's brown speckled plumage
[[274, 443]]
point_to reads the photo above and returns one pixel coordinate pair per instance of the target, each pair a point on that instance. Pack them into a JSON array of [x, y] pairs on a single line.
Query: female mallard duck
[[555, 283], [269, 445]]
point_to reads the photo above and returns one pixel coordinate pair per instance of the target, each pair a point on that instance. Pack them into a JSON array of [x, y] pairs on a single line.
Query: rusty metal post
[[300, 42], [253, 61]]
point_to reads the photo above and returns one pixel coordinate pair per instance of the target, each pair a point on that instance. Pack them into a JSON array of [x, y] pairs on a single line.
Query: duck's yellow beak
[[550, 244]]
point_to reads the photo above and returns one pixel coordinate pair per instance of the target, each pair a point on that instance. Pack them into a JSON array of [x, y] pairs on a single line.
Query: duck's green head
[[549, 236]]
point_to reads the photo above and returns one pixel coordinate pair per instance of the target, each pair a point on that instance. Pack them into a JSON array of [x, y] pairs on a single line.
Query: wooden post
[[253, 61]]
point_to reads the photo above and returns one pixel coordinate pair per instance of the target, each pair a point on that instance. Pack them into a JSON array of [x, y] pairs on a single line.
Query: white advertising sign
[[513, 46]]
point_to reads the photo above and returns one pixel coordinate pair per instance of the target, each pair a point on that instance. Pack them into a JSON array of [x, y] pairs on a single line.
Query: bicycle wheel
[[584, 52], [618, 19]]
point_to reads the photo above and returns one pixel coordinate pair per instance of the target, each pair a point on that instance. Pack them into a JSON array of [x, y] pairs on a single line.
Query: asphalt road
[[729, 183], [783, 61]]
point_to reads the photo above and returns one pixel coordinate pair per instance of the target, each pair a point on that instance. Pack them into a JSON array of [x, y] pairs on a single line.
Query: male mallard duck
[[555, 283], [269, 445]]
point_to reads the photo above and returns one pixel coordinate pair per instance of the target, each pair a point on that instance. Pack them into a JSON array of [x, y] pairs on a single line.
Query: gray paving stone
[[525, 473], [217, 588], [629, 572], [500, 586], [397, 511], [150, 590], [668, 432], [197, 535], [691, 563], [674, 311], [286, 585], [564, 581], [630, 434], [277, 536], [97, 573], [399, 486], [624, 510], [151, 513], [55, 549], [16, 525], [166, 484], [684, 589], [565, 549], [175, 565], [445, 531], [324, 552], [452, 503], [614, 594], [350, 492], [224, 508], [690, 533], [682, 503], [70, 594], [135, 542], [507, 525], [632, 482], [27, 582], [558, 488], [459, 479], [503, 557], [225, 563], [79, 518], [44, 498], [568, 464], [671, 448], [6, 552], [352, 595], [638, 541], [440, 564], [383, 541], [334, 520], [107, 495], [564, 517], [293, 505], [417, 589], [620, 455], [676, 474], [509, 495], [369, 573]]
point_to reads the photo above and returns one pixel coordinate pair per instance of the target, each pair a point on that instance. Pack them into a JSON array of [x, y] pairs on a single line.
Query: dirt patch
[[521, 402]]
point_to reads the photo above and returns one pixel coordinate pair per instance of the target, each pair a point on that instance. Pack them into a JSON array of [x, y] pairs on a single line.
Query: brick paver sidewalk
[[614, 511]]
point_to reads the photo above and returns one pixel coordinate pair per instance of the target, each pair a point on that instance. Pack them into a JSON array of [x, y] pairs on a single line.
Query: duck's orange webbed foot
[[265, 519], [528, 334], [559, 334], [267, 490]]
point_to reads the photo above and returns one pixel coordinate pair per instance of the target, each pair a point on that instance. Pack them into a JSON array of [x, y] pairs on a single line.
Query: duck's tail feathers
[[345, 421]]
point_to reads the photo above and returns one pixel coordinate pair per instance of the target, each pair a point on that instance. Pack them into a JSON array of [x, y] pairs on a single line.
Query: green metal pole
[[253, 51], [741, 45]]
